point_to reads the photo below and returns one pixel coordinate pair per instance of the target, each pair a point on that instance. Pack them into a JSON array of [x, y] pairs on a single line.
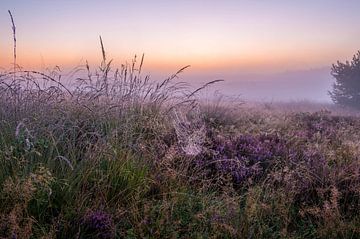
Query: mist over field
[[312, 85]]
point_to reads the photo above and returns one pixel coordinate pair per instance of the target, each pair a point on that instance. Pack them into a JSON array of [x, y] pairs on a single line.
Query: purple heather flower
[[99, 223], [243, 157]]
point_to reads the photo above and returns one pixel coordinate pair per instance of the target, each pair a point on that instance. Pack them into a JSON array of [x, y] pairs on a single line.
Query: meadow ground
[[121, 157]]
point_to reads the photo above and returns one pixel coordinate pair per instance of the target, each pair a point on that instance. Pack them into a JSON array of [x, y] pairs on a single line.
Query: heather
[[119, 155]]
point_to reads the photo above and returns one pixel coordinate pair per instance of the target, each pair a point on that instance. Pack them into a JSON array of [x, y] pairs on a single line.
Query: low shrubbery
[[119, 156]]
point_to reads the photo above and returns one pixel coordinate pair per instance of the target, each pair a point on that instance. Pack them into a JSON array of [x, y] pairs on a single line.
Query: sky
[[235, 40]]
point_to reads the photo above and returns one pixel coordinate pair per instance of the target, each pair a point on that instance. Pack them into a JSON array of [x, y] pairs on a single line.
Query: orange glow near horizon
[[269, 60]]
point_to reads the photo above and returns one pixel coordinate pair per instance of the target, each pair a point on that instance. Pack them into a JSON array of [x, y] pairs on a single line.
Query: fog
[[310, 85]]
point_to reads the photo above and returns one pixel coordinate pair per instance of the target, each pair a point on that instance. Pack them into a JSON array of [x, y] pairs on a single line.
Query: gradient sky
[[224, 36]]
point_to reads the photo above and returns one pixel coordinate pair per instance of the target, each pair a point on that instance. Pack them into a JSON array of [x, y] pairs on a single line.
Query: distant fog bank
[[310, 85]]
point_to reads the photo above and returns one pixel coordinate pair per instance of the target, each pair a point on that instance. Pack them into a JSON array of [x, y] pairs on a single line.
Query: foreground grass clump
[[119, 156]]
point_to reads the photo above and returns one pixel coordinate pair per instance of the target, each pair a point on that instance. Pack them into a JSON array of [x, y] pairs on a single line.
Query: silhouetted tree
[[346, 89]]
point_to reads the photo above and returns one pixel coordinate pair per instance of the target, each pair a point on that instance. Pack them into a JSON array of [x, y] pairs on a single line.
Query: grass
[[119, 156]]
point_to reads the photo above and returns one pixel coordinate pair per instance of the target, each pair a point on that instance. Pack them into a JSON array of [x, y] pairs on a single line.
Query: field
[[119, 156]]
